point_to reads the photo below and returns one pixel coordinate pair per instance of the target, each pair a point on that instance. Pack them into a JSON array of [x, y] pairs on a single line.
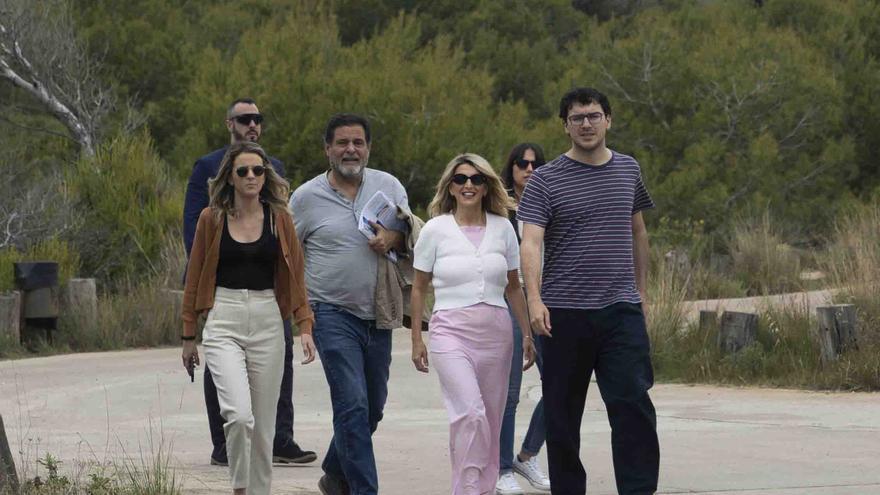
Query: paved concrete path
[[100, 406], [801, 301]]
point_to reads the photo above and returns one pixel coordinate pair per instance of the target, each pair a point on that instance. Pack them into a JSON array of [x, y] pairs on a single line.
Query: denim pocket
[[322, 307]]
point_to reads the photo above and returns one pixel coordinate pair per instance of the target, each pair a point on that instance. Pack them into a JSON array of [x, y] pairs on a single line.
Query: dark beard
[[242, 137]]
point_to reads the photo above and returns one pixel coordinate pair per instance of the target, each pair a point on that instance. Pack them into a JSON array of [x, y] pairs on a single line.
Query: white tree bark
[[40, 54]]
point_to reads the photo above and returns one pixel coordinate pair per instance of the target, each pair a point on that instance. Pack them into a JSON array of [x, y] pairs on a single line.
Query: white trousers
[[243, 342]]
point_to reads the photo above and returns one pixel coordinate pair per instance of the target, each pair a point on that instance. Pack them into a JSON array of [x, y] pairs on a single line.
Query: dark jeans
[[613, 342], [357, 358], [537, 433], [534, 438], [283, 414]]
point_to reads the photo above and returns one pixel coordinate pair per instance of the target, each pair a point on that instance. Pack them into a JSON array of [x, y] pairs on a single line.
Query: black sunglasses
[[246, 118], [476, 179], [243, 171], [524, 164]]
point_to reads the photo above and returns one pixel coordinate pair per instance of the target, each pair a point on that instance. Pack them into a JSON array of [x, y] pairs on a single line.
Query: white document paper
[[381, 210]]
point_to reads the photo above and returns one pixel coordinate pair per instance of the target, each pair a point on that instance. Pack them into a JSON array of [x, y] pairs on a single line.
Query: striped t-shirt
[[586, 212]]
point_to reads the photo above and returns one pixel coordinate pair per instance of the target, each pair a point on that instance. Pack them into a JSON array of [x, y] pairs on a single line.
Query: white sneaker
[[531, 471], [507, 485]]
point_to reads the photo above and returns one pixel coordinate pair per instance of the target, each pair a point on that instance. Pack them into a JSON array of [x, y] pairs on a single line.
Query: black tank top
[[248, 265]]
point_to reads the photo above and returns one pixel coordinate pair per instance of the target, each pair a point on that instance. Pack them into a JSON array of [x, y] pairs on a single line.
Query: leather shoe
[[290, 453], [331, 485], [218, 456]]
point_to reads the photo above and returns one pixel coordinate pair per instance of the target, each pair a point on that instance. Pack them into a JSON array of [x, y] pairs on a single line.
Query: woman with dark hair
[[523, 159], [469, 252], [246, 271]]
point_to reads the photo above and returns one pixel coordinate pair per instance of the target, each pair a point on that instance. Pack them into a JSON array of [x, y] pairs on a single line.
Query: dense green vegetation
[[731, 109], [742, 117]]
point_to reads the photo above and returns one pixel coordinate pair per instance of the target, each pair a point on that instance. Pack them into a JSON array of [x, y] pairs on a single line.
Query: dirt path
[[103, 406]]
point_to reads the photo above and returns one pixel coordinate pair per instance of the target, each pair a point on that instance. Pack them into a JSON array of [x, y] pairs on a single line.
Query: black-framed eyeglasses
[[247, 118], [476, 179], [523, 164], [243, 170], [594, 118]]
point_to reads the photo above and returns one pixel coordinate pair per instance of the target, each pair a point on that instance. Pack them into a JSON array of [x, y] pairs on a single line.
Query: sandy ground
[[103, 406]]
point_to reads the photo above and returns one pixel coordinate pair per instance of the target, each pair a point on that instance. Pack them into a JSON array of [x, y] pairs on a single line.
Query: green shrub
[[129, 202], [52, 249], [148, 472], [8, 256], [707, 283]]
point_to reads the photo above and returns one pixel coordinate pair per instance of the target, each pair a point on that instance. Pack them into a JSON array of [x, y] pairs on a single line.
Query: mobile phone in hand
[[191, 369]]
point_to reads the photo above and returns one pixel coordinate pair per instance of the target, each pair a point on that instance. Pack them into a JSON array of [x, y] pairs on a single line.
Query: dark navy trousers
[[283, 415], [613, 343]]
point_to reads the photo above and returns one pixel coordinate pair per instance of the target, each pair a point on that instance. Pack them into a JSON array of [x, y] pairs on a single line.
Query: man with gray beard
[[341, 276]]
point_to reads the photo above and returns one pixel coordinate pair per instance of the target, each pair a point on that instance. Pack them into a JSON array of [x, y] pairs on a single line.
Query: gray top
[[340, 266]]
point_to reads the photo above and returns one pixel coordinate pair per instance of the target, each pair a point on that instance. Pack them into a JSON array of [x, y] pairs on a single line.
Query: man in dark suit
[[244, 122]]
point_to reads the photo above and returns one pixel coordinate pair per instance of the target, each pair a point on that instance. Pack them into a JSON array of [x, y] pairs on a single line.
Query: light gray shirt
[[340, 266]]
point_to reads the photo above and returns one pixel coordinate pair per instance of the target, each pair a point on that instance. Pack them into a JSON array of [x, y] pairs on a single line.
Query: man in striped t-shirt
[[585, 206]]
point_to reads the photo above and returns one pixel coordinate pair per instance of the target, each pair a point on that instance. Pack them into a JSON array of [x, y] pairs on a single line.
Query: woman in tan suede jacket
[[246, 271]]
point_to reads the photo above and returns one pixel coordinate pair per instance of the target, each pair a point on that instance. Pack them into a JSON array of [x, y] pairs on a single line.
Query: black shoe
[[290, 453], [331, 485], [218, 456]]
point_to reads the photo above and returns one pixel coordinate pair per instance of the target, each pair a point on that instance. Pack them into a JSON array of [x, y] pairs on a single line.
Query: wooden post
[[708, 321], [836, 330], [8, 476], [738, 330], [81, 297], [10, 316]]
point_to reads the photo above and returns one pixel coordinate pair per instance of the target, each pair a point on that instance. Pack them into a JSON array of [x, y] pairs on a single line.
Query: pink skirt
[[471, 350]]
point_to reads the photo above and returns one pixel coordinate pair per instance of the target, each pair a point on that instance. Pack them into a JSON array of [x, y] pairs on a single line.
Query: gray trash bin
[[38, 282]]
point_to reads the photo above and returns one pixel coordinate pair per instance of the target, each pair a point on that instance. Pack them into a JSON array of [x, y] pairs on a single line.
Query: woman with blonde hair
[[469, 252], [246, 271]]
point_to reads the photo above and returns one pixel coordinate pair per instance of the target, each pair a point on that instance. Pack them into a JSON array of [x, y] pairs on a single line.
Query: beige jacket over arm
[[395, 281]]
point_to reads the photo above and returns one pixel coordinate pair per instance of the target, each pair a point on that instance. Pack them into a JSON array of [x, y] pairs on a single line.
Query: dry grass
[[140, 313], [785, 353], [149, 472], [762, 262], [137, 313], [852, 261]]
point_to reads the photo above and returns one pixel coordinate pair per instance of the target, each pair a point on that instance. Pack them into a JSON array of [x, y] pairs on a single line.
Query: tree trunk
[[58, 109], [738, 330], [836, 330]]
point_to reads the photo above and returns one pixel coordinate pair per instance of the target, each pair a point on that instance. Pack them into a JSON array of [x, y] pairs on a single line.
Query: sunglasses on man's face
[[524, 164], [247, 118], [477, 179], [243, 171]]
